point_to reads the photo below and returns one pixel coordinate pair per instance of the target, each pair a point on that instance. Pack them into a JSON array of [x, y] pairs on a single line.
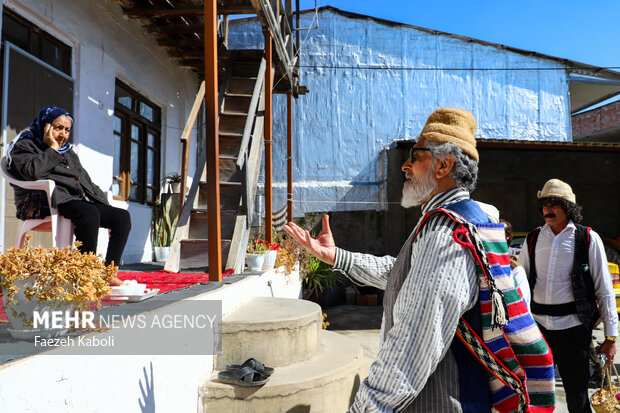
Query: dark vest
[[581, 279], [473, 393]]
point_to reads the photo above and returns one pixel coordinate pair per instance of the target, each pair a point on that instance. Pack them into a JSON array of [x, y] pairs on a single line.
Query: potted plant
[[255, 254], [318, 277], [173, 179], [270, 256], [41, 279], [164, 222]]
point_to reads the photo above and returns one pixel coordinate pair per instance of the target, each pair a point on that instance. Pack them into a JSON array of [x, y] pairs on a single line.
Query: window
[[35, 41], [137, 130]]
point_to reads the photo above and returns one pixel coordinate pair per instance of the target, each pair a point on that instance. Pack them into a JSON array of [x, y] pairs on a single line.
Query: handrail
[[185, 136], [249, 120], [278, 23]]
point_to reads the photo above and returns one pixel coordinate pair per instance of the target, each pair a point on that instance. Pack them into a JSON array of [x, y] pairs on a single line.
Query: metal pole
[[298, 26], [212, 146], [268, 138], [289, 156]]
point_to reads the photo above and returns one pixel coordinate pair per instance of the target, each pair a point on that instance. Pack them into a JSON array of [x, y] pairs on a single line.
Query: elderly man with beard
[[428, 287]]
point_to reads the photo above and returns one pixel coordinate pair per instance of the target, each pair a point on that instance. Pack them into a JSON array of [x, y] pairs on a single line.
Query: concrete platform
[[326, 383], [293, 327]]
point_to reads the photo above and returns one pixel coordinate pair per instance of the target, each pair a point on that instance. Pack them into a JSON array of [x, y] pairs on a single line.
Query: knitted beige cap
[[455, 126], [557, 188]]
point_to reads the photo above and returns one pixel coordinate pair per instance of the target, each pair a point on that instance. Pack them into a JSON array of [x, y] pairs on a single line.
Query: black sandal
[[254, 364], [246, 376]]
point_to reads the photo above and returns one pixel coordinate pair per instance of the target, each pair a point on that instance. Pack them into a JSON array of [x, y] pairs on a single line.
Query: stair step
[[230, 195], [240, 104], [229, 171], [241, 55], [235, 114], [230, 145], [326, 382], [245, 68], [231, 124], [241, 86], [257, 328], [195, 253], [199, 227]]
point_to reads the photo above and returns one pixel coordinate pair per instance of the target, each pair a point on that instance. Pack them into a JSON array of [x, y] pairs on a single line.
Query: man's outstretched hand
[[322, 247]]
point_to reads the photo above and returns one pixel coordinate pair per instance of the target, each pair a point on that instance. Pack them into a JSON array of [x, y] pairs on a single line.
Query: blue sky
[[585, 31]]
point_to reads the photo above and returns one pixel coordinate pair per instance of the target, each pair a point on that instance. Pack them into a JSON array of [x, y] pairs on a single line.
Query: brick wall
[[596, 120]]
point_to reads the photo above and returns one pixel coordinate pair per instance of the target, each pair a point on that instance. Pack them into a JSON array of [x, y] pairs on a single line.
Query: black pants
[[89, 217], [570, 350]]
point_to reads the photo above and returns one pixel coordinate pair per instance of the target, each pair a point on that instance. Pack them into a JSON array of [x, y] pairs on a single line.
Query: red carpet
[[165, 281]]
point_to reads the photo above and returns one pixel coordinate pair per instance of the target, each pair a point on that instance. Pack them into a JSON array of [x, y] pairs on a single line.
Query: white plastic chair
[[60, 227]]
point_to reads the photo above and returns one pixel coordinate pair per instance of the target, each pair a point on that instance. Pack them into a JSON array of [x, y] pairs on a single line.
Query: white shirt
[[554, 262], [521, 279]]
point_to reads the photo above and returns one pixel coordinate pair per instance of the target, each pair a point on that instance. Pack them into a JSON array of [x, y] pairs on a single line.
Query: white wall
[[78, 384], [107, 45]]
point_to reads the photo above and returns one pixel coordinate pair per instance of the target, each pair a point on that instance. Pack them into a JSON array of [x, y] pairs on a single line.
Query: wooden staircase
[[241, 113]]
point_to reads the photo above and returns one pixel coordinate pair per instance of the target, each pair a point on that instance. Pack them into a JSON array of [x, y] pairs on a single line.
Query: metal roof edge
[[529, 145], [567, 62]]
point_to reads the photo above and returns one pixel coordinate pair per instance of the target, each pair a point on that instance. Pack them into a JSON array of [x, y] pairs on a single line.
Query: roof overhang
[[588, 90]]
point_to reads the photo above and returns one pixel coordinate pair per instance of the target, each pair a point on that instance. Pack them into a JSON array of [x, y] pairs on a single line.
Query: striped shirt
[[440, 286]]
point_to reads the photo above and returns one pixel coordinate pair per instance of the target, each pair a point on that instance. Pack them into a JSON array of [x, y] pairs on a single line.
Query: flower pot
[[18, 330], [255, 261], [161, 253], [176, 187], [270, 259]]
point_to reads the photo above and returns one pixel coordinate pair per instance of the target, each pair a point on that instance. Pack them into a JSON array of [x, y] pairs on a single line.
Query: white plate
[[133, 298]]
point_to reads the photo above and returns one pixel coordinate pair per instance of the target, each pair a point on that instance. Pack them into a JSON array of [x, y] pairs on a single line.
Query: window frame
[[34, 44], [131, 116]]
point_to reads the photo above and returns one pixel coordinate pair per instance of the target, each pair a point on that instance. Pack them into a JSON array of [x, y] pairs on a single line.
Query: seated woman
[[42, 152]]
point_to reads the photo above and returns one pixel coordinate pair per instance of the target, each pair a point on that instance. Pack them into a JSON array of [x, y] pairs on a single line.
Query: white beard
[[417, 191]]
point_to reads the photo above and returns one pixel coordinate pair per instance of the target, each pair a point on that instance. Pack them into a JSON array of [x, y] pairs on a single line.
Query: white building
[[129, 98]]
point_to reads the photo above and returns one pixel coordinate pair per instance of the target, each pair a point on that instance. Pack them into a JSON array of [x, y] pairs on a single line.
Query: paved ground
[[362, 324]]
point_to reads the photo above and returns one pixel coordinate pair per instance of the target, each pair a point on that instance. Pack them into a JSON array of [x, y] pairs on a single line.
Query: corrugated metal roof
[[572, 66]]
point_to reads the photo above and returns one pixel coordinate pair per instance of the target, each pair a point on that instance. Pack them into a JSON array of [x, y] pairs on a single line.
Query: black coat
[[33, 160]]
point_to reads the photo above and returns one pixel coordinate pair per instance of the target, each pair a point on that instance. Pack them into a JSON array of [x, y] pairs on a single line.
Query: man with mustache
[[567, 271], [432, 284]]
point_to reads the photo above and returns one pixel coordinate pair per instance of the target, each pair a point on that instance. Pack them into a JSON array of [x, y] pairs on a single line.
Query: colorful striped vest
[[515, 355]]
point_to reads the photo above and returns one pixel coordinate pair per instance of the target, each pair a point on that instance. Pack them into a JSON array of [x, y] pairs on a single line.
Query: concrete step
[[276, 331], [195, 253], [325, 383]]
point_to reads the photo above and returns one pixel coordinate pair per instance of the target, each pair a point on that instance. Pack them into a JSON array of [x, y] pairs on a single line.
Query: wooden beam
[[236, 9], [185, 139], [194, 53], [180, 43], [155, 12], [289, 155], [175, 28], [212, 146], [268, 137]]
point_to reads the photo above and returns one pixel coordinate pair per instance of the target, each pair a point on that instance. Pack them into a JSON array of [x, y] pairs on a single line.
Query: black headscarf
[[37, 128]]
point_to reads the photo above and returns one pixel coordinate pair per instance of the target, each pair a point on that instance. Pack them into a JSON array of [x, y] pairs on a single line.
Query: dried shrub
[[58, 276]]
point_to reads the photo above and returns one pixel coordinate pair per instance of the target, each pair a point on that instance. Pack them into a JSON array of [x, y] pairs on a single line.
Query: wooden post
[[268, 138], [289, 156], [212, 146]]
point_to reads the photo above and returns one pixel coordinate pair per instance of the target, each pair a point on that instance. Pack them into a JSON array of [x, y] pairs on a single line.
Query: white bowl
[[123, 290], [139, 289]]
